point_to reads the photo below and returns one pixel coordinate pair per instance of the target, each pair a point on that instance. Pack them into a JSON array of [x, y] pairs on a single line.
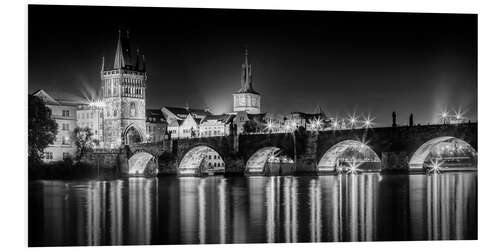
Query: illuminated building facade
[[156, 125], [216, 125], [184, 122], [246, 99], [63, 111], [124, 96], [90, 117]]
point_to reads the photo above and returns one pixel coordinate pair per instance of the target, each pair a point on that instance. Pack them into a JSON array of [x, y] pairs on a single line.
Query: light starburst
[[353, 167], [353, 120], [368, 122], [435, 166]]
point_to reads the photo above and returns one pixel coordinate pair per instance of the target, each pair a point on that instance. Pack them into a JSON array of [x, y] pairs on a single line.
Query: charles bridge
[[396, 147]]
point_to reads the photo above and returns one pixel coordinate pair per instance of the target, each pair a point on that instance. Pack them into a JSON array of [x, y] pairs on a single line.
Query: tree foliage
[[250, 126], [42, 129], [82, 137]]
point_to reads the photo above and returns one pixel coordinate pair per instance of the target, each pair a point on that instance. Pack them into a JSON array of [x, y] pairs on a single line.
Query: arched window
[[132, 109]]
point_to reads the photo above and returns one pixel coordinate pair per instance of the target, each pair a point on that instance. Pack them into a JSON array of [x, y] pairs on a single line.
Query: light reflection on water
[[170, 210]]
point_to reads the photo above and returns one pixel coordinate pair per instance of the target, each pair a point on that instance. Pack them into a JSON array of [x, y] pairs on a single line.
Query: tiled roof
[[224, 118], [185, 111], [154, 115]]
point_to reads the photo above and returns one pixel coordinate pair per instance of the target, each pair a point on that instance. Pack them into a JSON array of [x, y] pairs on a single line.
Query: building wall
[[248, 102], [214, 128], [155, 132], [87, 117], [63, 146], [187, 126]]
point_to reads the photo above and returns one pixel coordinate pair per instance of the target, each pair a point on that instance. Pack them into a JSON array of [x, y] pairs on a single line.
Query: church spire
[[102, 65], [123, 54], [119, 59], [246, 76]]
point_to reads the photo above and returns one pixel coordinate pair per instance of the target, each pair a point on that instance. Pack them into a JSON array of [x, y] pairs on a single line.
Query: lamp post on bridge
[[292, 126]]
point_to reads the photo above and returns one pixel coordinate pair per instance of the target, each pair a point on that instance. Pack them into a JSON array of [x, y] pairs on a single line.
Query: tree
[[250, 126], [42, 129], [83, 141]]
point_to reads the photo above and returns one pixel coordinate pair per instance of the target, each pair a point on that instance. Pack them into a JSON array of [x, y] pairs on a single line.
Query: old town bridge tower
[[124, 96]]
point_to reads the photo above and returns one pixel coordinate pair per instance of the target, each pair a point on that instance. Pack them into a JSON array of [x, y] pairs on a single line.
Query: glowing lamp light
[[97, 104], [368, 122]]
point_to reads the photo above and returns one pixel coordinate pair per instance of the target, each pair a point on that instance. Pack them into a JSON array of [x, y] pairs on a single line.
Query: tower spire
[[246, 76], [102, 65], [137, 60], [119, 58], [123, 56]]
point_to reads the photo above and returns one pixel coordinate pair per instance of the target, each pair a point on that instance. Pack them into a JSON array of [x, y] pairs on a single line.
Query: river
[[217, 209]]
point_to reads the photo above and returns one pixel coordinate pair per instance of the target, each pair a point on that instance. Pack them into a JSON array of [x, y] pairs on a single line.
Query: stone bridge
[[394, 148]]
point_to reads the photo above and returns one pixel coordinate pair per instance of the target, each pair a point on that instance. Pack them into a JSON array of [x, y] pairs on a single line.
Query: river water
[[192, 210]]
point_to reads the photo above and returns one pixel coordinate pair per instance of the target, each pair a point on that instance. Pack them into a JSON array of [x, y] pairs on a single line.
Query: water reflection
[[218, 209], [449, 204]]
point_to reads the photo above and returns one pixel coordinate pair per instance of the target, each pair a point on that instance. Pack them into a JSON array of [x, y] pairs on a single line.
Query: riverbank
[[68, 170]]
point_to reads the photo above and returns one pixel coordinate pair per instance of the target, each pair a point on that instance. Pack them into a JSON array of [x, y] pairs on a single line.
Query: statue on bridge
[[394, 119], [411, 120]]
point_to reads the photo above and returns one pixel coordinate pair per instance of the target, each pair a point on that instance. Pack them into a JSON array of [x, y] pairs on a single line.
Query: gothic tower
[[246, 99], [124, 95]]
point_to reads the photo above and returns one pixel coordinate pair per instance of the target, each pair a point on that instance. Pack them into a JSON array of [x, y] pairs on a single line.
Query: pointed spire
[[246, 56], [123, 56], [119, 59], [246, 76], [137, 60], [102, 65], [143, 63]]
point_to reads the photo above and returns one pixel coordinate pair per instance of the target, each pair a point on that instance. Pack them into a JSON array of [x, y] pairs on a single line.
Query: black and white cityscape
[[154, 125]]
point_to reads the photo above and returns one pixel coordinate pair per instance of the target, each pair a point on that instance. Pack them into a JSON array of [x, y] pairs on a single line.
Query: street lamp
[[444, 116], [291, 127], [317, 123], [353, 119], [368, 122]]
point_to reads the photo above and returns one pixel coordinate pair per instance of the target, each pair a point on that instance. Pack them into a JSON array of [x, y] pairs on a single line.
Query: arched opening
[[132, 136], [268, 160], [445, 152], [142, 164], [201, 160], [350, 156]]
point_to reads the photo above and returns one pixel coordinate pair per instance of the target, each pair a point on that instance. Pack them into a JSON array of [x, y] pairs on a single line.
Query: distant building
[[156, 125], [216, 125], [305, 120], [63, 111], [184, 122], [246, 99], [124, 95], [277, 121], [90, 117]]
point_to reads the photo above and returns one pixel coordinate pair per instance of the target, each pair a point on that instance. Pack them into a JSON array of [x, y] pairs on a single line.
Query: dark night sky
[[343, 61]]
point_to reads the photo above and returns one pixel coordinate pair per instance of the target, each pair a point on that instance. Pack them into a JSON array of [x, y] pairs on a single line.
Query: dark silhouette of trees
[[82, 137], [42, 129], [250, 126]]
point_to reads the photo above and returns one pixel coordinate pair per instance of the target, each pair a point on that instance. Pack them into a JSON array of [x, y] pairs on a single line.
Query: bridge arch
[[142, 164], [256, 164], [444, 149], [201, 159], [349, 154]]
